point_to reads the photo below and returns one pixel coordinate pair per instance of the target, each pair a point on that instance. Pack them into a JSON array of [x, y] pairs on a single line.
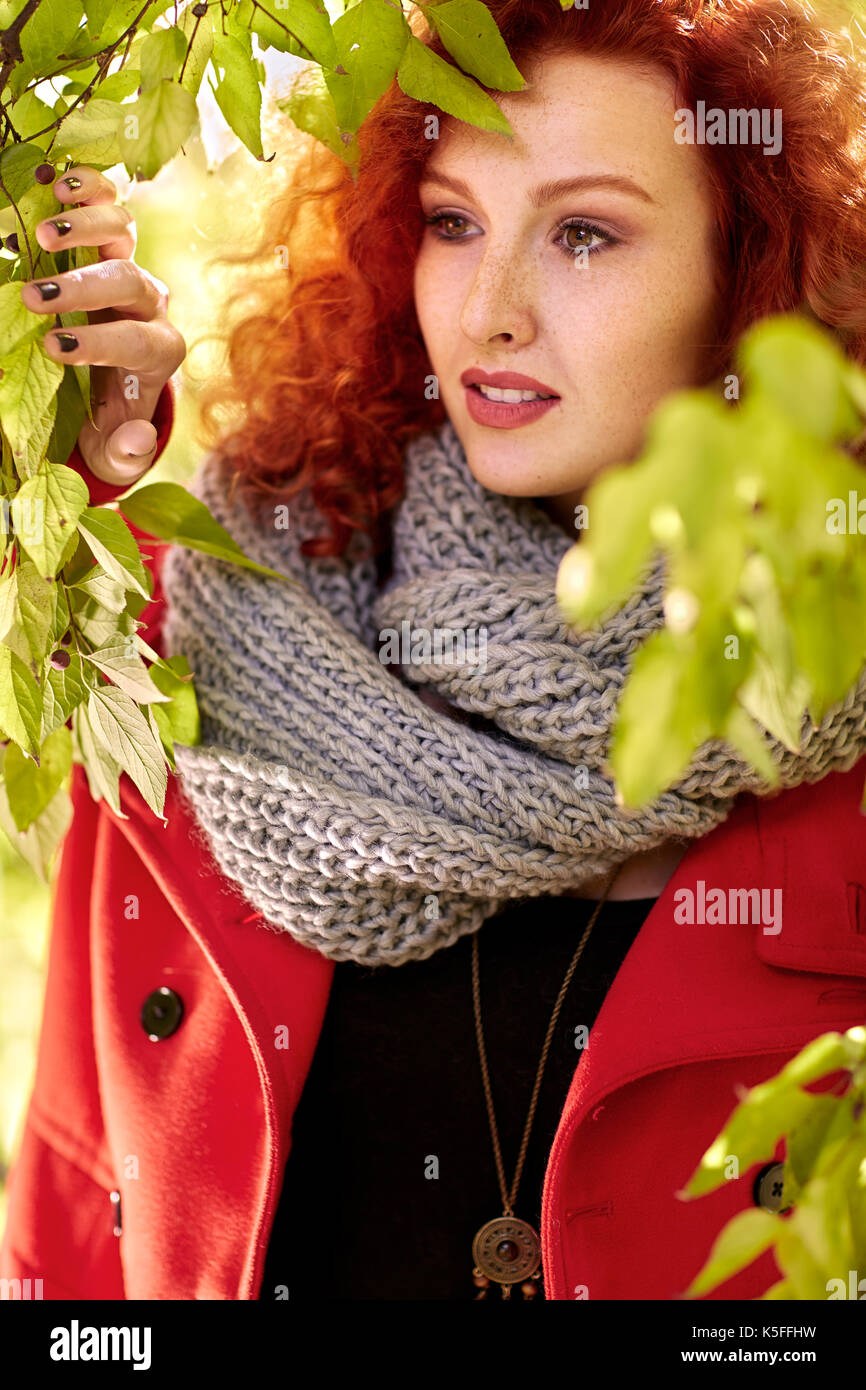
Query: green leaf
[[199, 37], [99, 585], [20, 702], [238, 93], [742, 1240], [115, 547], [766, 1114], [98, 625], [680, 695], [778, 355], [37, 203], [370, 40], [71, 414], [779, 710], [90, 133], [128, 737], [107, 20], [472, 37], [828, 1053], [119, 85], [32, 456], [744, 735], [29, 789], [154, 128], [803, 1275], [124, 666], [178, 721], [76, 318], [425, 76], [17, 323], [303, 28], [30, 117], [28, 383], [60, 619], [62, 692], [17, 163], [829, 653], [27, 608], [45, 513], [171, 513], [781, 1289], [310, 106], [38, 844], [807, 1137], [162, 55], [103, 771], [45, 38]]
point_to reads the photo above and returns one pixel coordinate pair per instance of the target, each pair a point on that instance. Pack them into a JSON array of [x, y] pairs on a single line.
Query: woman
[[431, 840]]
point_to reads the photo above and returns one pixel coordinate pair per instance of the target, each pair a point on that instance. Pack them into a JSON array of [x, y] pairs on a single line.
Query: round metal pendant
[[507, 1250]]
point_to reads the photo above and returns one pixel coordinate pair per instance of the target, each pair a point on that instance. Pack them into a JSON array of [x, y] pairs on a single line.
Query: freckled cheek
[[438, 304], [640, 341]]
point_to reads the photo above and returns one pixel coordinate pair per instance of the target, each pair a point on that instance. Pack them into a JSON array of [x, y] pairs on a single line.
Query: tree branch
[[10, 43]]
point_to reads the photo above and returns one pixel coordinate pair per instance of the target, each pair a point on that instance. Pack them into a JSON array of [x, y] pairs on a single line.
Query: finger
[[110, 228], [84, 185], [122, 456], [150, 350], [106, 285]]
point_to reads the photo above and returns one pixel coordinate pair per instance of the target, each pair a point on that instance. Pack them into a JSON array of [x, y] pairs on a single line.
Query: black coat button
[[161, 1013], [767, 1191]]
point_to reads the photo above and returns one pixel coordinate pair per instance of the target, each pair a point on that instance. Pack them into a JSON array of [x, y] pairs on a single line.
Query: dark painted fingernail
[[49, 289], [62, 227], [68, 341], [72, 182]]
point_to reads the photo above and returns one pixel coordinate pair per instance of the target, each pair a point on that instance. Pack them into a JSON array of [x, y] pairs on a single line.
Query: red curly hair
[[327, 372]]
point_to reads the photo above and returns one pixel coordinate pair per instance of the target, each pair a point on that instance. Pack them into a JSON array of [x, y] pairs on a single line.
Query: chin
[[513, 473]]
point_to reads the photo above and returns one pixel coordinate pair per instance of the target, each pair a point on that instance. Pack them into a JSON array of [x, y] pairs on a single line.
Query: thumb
[[122, 456]]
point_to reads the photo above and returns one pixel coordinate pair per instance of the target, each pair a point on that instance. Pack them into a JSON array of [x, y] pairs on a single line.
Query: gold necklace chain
[[508, 1198]]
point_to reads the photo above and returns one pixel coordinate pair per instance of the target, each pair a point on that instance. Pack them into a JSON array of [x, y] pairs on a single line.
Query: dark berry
[[200, 10], [59, 660], [66, 639], [44, 173], [12, 243]]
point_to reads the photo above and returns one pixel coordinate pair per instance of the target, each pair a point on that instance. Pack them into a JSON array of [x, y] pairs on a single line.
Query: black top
[[391, 1170]]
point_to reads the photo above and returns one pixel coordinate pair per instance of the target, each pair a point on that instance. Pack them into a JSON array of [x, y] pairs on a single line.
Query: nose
[[500, 299]]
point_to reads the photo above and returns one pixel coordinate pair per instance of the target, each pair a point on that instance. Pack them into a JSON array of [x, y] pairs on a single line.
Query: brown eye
[[449, 218], [585, 237], [582, 237]]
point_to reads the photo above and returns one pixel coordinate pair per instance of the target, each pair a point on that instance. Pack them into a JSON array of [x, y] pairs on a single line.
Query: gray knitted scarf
[[356, 812]]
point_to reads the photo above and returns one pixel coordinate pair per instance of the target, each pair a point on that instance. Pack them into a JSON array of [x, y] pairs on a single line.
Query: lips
[[506, 381]]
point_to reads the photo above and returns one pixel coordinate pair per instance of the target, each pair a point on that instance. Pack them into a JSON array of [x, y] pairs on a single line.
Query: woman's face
[[601, 294]]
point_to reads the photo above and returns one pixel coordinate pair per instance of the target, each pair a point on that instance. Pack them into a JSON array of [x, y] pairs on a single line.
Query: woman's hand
[[128, 341]]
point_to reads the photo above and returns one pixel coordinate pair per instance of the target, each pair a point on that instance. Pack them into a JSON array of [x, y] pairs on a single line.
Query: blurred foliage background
[[207, 203]]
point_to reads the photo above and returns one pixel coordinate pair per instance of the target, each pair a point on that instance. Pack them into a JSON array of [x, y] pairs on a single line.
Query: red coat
[[193, 1130]]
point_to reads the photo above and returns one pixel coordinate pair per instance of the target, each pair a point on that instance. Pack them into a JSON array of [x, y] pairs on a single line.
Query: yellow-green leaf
[[29, 788], [28, 382], [743, 1239], [45, 513], [422, 74], [115, 547], [154, 127]]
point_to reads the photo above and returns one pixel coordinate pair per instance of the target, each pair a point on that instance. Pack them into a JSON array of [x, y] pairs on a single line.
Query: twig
[[10, 43], [12, 202]]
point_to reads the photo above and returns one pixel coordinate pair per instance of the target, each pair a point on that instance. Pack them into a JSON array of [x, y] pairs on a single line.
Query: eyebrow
[[553, 189]]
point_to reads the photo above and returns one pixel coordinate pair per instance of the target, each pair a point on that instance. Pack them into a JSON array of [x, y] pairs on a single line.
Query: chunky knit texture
[[355, 816]]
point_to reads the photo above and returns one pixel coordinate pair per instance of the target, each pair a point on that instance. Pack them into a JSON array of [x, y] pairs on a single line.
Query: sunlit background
[[206, 203]]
